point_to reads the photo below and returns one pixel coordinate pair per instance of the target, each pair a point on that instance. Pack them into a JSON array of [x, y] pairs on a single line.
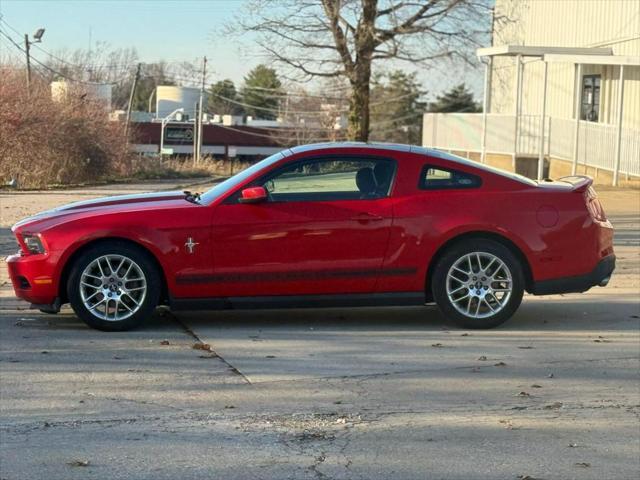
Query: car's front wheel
[[478, 283], [114, 286]]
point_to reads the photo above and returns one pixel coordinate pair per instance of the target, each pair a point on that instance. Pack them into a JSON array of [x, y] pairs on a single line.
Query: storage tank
[[170, 98], [99, 92]]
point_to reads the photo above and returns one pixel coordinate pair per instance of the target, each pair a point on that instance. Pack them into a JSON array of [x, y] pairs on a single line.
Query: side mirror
[[253, 195]]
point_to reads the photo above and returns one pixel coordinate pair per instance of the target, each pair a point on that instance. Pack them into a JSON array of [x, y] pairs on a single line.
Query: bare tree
[[344, 38]]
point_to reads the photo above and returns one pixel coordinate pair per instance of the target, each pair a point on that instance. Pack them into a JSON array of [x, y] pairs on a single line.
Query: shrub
[[45, 142]]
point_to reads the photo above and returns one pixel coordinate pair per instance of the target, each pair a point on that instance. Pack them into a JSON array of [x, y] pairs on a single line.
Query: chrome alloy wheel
[[113, 287], [479, 285]]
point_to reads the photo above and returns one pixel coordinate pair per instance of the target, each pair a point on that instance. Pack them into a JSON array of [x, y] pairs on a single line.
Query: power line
[[56, 72]]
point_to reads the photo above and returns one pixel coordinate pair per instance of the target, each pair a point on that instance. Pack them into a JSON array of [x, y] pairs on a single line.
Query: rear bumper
[[581, 283]]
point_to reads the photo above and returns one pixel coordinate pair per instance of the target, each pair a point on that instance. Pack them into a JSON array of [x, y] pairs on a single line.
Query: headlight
[[33, 243]]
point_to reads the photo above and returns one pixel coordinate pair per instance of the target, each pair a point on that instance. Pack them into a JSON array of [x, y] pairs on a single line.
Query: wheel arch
[[478, 234], [66, 269]]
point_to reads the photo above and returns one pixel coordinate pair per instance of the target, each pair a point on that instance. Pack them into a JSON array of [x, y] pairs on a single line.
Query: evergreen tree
[[458, 99], [223, 99], [261, 93], [396, 108]]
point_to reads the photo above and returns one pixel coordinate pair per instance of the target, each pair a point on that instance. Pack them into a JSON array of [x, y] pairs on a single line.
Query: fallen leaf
[[508, 424], [202, 346], [553, 406], [583, 464], [437, 345], [164, 342], [78, 463], [482, 358], [500, 364]]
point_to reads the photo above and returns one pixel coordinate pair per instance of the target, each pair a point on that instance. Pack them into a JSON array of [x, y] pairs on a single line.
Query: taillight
[[594, 206]]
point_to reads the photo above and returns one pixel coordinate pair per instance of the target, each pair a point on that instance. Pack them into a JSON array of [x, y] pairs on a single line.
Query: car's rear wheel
[[114, 286], [478, 283]]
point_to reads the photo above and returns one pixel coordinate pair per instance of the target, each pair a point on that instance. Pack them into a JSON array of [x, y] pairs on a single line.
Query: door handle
[[366, 217]]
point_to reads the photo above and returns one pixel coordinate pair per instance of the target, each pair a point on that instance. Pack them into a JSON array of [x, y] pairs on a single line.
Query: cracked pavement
[[329, 394]]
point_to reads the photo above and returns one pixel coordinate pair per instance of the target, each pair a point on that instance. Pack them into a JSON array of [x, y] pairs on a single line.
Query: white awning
[[532, 51]]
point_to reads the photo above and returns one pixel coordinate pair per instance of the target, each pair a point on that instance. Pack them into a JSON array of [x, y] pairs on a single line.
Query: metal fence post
[[544, 107], [486, 106], [616, 170], [576, 133]]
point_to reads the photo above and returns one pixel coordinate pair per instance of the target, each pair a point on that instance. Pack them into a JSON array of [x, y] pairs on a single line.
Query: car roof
[[399, 147]]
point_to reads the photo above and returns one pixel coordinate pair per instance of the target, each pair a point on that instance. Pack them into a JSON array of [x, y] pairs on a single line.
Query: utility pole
[[133, 91], [195, 134], [37, 38], [27, 45], [200, 110]]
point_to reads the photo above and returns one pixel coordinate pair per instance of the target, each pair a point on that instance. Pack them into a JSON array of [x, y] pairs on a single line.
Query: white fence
[[596, 141]]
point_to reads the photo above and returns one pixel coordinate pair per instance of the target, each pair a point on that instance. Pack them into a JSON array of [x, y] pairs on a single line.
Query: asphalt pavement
[[331, 393]]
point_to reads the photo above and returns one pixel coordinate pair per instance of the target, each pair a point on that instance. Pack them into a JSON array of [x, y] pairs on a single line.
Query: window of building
[[433, 178], [590, 105]]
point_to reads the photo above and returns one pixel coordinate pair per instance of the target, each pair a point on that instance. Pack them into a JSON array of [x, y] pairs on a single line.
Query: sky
[[171, 30]]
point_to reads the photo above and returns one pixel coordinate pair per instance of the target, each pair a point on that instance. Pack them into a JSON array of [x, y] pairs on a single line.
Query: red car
[[322, 225]]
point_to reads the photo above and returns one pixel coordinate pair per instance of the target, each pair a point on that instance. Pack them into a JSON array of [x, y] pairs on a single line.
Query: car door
[[324, 229]]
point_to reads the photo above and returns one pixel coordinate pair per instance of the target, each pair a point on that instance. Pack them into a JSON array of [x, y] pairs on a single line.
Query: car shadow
[[557, 314]]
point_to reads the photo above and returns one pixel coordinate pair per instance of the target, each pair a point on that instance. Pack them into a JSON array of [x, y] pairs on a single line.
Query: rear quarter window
[[434, 178]]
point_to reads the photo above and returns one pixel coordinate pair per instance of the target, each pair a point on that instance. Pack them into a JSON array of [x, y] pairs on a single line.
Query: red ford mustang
[[322, 225]]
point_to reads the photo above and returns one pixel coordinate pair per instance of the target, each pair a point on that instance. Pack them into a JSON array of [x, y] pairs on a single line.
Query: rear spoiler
[[579, 183]]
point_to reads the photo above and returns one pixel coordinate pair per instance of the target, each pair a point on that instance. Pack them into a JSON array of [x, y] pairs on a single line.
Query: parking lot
[[326, 393]]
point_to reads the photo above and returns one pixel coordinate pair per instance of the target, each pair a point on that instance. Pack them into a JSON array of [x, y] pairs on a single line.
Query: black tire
[[440, 278], [147, 266]]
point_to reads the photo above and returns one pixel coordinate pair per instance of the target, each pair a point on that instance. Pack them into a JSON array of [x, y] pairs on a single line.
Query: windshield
[[230, 183]]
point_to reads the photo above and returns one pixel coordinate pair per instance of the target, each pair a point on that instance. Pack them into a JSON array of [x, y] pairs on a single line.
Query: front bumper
[[581, 283], [33, 278]]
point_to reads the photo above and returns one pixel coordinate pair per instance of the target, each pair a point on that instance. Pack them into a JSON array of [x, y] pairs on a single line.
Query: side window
[[331, 179], [433, 178]]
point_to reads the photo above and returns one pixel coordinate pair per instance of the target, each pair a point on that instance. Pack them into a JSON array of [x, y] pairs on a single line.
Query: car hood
[[104, 204]]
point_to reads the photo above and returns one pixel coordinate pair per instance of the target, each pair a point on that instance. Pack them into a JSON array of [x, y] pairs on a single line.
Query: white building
[[572, 65]]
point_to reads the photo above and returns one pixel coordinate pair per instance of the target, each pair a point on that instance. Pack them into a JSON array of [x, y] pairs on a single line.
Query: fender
[[148, 238]]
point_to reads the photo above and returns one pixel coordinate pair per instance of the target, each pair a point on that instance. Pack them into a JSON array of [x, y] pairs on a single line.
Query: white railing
[[596, 141]]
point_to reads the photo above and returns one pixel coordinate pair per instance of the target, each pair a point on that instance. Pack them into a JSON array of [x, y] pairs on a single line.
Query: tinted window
[[331, 179], [433, 177]]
